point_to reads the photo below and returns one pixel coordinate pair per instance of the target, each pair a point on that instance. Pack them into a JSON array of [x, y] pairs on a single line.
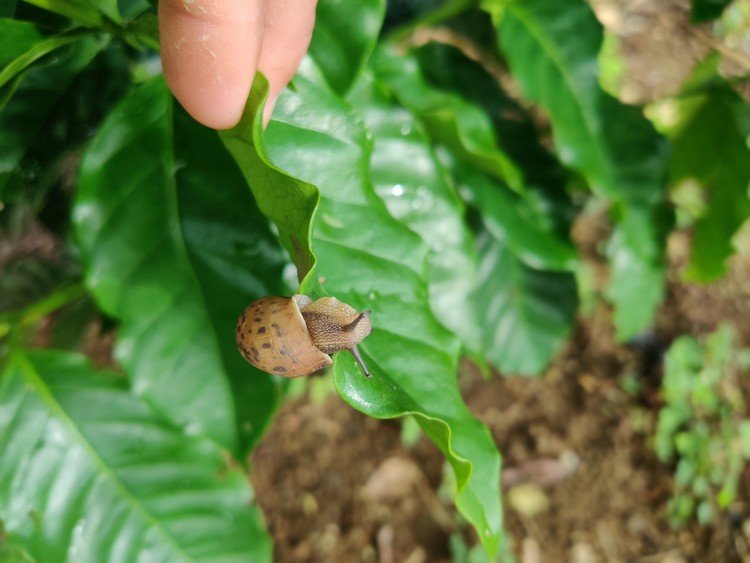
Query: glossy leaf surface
[[637, 270], [138, 270], [552, 50], [451, 120], [408, 176], [512, 220], [90, 472], [526, 314], [447, 68], [290, 204], [369, 260], [235, 258], [344, 36]]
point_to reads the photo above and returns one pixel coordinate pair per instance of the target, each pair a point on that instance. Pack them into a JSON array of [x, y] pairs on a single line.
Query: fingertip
[[210, 50], [213, 108], [287, 34]]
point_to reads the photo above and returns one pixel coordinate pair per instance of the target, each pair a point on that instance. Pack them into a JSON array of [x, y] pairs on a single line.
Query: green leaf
[[89, 472], [552, 49], [526, 314], [93, 13], [369, 260], [452, 121], [11, 553], [8, 8], [16, 38], [637, 270], [417, 190], [37, 95], [743, 432], [544, 177], [514, 222], [235, 259], [11, 73], [289, 203], [138, 269], [712, 149], [344, 37], [682, 366], [705, 10]]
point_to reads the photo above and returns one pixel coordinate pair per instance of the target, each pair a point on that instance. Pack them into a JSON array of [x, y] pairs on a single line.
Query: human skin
[[210, 50]]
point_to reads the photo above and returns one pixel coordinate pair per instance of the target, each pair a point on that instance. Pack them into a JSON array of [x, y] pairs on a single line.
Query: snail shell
[[293, 336]]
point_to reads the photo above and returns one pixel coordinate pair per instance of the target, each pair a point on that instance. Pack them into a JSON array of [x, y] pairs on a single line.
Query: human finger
[[210, 50], [288, 27]]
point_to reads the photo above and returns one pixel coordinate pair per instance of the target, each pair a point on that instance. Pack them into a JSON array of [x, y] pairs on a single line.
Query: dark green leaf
[[637, 272], [93, 13], [25, 281], [409, 15], [16, 38], [11, 73], [369, 260], [705, 10], [407, 175], [71, 323], [513, 221], [552, 50], [712, 149], [344, 36], [8, 8], [38, 93], [545, 179], [452, 121], [138, 269], [526, 314], [90, 473], [235, 258]]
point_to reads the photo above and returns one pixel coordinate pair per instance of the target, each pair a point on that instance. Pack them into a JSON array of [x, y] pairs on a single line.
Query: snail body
[[294, 336]]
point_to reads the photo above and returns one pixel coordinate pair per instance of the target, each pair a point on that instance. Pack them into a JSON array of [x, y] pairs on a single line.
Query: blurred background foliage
[[444, 155]]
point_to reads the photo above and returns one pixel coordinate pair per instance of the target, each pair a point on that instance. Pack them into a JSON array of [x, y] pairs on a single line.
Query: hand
[[211, 49]]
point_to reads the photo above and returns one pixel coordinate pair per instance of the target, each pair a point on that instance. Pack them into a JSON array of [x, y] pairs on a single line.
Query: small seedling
[[702, 427]]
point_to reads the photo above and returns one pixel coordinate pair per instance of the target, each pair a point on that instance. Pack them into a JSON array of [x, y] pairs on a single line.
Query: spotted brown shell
[[271, 334]]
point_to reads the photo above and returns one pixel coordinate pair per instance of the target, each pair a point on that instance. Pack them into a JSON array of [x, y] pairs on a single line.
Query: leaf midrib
[[55, 407], [551, 52]]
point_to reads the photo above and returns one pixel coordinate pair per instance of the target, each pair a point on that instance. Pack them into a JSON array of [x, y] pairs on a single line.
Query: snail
[[293, 336]]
